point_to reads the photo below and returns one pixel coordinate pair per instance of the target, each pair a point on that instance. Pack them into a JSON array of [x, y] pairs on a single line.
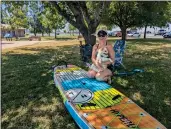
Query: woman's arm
[[93, 57]]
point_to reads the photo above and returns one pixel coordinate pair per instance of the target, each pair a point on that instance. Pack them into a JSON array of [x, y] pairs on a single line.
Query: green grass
[[31, 100]]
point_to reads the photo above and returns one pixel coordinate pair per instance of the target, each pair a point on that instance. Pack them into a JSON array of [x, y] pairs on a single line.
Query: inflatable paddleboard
[[96, 105]]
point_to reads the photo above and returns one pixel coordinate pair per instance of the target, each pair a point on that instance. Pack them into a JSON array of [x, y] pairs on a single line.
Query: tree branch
[[84, 11], [77, 11], [68, 16], [102, 6]]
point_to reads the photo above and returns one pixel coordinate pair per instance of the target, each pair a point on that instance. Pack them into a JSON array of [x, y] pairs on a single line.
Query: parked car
[[167, 35], [148, 32], [135, 34], [160, 32], [115, 33], [119, 34], [112, 33], [130, 34], [7, 35]]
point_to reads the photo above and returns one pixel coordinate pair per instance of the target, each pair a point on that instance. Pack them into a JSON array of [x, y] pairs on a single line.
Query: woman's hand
[[101, 69], [107, 62], [99, 66]]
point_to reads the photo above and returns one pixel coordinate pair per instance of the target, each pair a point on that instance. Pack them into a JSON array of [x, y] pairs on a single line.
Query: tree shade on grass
[[30, 99]]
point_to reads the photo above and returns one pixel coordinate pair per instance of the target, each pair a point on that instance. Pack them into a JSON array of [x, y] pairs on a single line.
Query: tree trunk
[[16, 34], [123, 29], [34, 32], [88, 36], [82, 15], [55, 33], [49, 32], [145, 31], [42, 34]]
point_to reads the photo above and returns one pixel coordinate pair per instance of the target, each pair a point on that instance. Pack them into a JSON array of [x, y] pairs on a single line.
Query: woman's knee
[[102, 76], [91, 74], [99, 77], [107, 72]]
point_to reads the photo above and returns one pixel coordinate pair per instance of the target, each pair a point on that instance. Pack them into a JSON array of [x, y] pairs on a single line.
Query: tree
[[153, 13], [85, 16], [123, 14], [47, 21], [71, 29], [101, 26], [41, 23], [3, 13], [15, 14], [35, 17], [53, 19]]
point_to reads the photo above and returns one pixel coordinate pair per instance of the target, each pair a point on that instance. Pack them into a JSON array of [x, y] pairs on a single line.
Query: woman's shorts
[[94, 67]]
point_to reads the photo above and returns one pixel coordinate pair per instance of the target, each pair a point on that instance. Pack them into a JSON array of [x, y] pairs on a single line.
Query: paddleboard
[[96, 105]]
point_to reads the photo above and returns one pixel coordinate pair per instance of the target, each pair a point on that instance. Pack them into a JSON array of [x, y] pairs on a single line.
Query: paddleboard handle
[[116, 97], [62, 62], [88, 104]]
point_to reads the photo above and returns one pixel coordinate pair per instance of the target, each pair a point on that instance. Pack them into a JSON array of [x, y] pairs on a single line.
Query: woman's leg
[[92, 73], [104, 75]]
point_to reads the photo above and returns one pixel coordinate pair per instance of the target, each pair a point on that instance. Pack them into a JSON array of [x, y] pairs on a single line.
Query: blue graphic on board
[[86, 83]]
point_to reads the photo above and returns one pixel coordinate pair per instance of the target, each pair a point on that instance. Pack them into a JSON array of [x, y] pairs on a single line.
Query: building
[[5, 28]]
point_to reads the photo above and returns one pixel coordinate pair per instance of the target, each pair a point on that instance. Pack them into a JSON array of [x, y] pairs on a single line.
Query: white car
[[130, 34], [135, 34]]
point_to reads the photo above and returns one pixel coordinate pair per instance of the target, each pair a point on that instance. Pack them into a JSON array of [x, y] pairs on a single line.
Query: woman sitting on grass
[[102, 57]]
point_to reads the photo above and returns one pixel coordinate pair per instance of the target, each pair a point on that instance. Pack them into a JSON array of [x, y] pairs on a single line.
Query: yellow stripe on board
[[68, 69], [103, 99]]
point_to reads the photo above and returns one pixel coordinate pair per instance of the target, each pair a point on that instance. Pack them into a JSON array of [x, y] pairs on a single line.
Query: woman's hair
[[101, 32]]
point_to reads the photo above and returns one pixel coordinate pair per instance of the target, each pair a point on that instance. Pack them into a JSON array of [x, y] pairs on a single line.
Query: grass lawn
[[31, 100]]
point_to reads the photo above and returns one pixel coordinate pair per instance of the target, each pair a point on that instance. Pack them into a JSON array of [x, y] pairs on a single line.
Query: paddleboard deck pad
[[95, 104]]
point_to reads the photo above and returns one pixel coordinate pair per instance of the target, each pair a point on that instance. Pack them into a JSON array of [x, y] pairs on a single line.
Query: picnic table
[[8, 36], [32, 38]]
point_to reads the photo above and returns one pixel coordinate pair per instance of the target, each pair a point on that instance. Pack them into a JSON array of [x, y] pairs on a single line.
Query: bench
[[32, 38]]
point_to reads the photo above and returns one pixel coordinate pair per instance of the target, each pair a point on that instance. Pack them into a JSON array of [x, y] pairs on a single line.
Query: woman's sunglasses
[[101, 35]]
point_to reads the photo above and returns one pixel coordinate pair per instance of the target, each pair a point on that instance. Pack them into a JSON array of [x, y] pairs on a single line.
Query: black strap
[[62, 62]]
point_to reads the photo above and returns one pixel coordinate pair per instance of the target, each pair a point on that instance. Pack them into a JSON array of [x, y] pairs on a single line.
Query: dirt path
[[14, 44]]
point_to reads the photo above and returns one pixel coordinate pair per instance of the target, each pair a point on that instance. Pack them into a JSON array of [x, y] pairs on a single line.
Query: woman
[[99, 68]]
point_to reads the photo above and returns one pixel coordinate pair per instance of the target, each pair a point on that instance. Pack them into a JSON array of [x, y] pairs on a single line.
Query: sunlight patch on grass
[[33, 49], [43, 122], [150, 70], [15, 113], [137, 96], [150, 48], [122, 82], [45, 108], [167, 101], [19, 51], [44, 74]]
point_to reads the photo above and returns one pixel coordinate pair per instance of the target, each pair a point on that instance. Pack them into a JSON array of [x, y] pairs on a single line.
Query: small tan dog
[[102, 56]]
